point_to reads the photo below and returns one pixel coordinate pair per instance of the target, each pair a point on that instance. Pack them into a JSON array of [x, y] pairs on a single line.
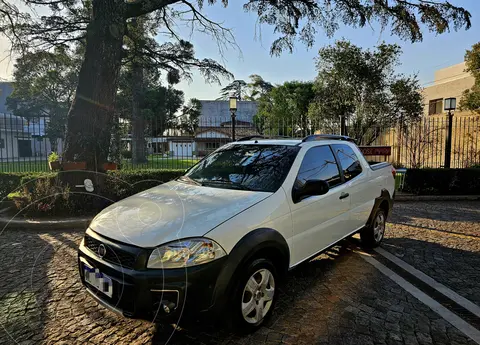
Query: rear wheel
[[373, 234], [254, 296]]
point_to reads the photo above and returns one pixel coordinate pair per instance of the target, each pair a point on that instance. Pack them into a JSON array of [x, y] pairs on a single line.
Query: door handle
[[344, 195]]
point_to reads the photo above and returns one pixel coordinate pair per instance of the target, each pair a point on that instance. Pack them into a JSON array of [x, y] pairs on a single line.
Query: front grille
[[113, 255]]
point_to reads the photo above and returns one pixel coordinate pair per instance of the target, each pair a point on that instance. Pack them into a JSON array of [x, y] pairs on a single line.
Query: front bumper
[[147, 294]]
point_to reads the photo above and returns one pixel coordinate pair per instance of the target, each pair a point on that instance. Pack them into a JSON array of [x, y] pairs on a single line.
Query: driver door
[[321, 220]]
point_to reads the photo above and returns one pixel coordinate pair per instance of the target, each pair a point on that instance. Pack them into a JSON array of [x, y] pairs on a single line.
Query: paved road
[[338, 298]]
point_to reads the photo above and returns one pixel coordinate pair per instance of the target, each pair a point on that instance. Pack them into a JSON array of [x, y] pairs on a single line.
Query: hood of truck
[[171, 211]]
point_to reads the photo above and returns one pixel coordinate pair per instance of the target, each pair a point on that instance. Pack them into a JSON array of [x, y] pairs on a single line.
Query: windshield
[[248, 167]]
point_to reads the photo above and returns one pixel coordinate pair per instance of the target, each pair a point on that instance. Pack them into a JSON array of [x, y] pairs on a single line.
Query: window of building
[[2, 143], [435, 106], [319, 164], [348, 160], [212, 146]]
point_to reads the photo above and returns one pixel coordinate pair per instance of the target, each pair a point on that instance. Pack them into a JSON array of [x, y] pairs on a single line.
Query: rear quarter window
[[319, 164], [349, 161]]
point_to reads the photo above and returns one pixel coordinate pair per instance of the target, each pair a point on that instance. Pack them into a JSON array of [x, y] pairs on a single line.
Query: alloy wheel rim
[[379, 227], [258, 295]]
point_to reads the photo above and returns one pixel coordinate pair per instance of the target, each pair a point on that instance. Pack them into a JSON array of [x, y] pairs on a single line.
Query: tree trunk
[[138, 121], [90, 117], [116, 144]]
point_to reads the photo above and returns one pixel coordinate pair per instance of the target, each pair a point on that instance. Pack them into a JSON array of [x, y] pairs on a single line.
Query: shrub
[[443, 181], [45, 197], [11, 182], [53, 157], [53, 194], [124, 183], [127, 154]]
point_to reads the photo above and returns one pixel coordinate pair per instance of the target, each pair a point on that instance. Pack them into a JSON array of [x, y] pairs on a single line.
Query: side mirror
[[311, 188]]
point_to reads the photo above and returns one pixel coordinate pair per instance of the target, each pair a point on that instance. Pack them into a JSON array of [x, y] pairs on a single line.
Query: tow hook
[[168, 307]]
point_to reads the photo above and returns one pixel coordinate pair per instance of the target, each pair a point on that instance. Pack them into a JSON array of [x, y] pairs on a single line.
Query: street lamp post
[[450, 104], [233, 110]]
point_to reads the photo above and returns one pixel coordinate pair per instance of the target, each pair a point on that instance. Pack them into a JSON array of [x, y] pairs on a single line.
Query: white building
[[21, 138], [215, 124], [214, 130]]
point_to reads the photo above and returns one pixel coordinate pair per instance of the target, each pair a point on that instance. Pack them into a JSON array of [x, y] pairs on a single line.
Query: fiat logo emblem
[[101, 251]]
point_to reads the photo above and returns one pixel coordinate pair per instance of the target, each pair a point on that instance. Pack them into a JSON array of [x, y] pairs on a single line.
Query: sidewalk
[[10, 221], [399, 197], [50, 223]]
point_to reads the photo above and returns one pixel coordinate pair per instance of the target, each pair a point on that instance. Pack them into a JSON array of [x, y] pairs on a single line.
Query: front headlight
[[185, 253]]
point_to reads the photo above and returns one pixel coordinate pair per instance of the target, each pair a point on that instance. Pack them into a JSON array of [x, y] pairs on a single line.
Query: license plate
[[98, 280]]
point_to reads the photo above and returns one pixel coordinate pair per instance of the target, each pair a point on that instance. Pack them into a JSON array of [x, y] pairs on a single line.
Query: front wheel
[[373, 234], [255, 295]]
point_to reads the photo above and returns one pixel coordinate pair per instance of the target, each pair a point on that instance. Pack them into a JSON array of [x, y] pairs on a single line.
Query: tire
[[254, 296], [373, 234]]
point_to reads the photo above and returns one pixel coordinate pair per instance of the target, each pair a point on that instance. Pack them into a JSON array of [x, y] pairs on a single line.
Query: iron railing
[[26, 143]]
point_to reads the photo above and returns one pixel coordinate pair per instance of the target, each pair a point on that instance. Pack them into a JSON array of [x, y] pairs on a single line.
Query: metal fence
[[26, 144], [425, 144]]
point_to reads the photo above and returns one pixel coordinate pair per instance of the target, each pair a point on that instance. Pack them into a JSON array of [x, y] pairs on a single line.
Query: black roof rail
[[315, 137], [251, 137]]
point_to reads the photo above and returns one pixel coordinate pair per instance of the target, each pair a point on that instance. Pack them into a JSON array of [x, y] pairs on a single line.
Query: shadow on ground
[[337, 298], [406, 212]]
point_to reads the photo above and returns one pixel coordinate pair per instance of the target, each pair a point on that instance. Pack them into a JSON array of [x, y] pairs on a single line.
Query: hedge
[[443, 181], [124, 183], [11, 182], [59, 196]]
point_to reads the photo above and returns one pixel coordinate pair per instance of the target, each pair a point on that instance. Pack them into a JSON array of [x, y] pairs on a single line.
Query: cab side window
[[319, 164], [348, 160]]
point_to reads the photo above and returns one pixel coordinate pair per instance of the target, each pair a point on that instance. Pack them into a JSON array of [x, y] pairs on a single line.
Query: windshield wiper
[[235, 185], [190, 180]]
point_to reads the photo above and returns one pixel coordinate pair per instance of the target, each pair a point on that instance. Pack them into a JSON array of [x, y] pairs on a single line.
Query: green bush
[[124, 183], [53, 157], [45, 197], [12, 182], [126, 154], [443, 181], [50, 194]]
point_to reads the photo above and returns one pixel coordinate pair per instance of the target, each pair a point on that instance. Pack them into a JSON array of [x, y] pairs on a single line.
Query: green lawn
[[154, 162], [24, 166]]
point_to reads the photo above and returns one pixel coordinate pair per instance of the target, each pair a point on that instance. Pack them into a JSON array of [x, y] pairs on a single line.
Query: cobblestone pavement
[[441, 239], [337, 298]]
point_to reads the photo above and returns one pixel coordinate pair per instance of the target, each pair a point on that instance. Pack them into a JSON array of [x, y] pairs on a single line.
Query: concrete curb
[[412, 197], [76, 223], [44, 224]]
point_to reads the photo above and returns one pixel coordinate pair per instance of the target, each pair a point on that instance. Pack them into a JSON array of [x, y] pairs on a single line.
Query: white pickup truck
[[222, 237]]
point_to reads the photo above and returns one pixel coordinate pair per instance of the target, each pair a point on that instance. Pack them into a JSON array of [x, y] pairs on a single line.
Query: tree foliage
[[292, 20], [188, 119], [237, 88], [103, 25], [284, 109], [242, 90], [362, 86], [44, 85], [300, 19], [471, 97], [158, 107], [258, 87]]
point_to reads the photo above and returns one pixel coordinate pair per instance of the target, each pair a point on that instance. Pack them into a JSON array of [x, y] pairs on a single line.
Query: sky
[[423, 58]]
